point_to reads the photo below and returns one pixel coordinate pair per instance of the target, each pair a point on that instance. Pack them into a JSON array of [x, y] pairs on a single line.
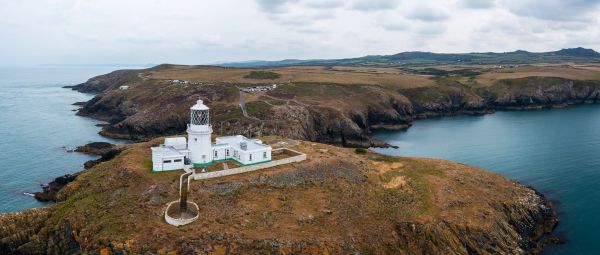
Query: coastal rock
[[106, 151], [103, 82], [50, 190], [106, 155], [95, 148]]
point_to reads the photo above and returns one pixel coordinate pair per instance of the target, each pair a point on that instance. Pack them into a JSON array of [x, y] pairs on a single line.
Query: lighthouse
[[199, 134], [199, 149]]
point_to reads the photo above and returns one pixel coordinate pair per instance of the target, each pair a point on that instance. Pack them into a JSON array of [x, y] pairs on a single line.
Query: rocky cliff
[[335, 113], [337, 202]]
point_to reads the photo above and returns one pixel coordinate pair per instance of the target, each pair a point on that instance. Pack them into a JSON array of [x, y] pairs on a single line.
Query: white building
[[200, 151], [123, 87], [241, 149]]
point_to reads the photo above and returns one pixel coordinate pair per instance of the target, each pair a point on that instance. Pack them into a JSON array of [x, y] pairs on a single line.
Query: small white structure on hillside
[[123, 87], [200, 151]]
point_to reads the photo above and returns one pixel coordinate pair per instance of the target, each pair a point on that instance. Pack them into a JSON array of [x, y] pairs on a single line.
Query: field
[[574, 72], [393, 78], [299, 74]]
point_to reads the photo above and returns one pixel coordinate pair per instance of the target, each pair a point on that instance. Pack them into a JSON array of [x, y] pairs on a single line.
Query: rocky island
[[341, 200]]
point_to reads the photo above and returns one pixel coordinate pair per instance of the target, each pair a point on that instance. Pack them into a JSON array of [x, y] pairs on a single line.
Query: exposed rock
[[106, 151], [50, 190], [106, 156], [95, 148]]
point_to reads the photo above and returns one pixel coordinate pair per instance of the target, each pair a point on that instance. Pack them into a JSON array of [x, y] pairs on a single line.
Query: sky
[[90, 32]]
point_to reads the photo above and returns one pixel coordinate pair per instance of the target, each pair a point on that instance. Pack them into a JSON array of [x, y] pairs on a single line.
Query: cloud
[[557, 10], [427, 14], [478, 4], [199, 32], [273, 5], [374, 5]]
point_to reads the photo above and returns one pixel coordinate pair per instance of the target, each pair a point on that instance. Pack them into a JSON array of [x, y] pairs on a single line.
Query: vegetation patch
[[259, 109], [262, 75], [360, 151], [440, 72]]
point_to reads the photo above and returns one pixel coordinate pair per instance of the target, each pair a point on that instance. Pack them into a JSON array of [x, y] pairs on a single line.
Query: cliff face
[[337, 202], [331, 113]]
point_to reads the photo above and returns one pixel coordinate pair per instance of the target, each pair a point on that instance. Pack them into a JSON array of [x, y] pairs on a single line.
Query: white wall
[[257, 156], [160, 165], [300, 157], [221, 153], [200, 145]]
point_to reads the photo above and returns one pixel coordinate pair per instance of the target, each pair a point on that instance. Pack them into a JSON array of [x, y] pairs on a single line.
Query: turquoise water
[[36, 122], [555, 151]]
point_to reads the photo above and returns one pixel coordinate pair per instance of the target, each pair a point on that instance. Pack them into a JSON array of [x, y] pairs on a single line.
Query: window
[[250, 157], [167, 161], [215, 154], [265, 154], [195, 139], [177, 160], [227, 152]]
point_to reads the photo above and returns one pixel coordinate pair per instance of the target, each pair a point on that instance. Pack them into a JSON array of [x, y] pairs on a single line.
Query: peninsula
[[337, 200], [333, 104]]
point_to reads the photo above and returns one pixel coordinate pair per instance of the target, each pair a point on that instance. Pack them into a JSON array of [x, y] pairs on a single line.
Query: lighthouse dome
[[199, 106]]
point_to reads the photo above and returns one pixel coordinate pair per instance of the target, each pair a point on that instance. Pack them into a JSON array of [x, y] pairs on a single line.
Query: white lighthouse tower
[[199, 134]]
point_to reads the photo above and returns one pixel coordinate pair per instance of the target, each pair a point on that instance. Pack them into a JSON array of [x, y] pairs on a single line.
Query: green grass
[[360, 151], [259, 109], [262, 75]]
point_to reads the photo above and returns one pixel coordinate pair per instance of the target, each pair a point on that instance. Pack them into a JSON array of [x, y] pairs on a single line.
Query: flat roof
[[234, 141], [167, 151]]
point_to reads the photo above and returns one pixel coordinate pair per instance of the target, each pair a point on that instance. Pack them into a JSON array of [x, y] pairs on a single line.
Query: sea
[[555, 151], [39, 128]]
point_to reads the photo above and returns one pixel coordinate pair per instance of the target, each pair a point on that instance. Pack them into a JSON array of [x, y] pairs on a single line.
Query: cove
[[555, 151]]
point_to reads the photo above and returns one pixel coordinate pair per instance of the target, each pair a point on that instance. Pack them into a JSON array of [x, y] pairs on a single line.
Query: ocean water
[[555, 151], [37, 123]]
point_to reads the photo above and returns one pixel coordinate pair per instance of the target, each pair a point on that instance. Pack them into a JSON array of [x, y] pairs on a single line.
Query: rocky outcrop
[[106, 151], [96, 148], [107, 81], [50, 190]]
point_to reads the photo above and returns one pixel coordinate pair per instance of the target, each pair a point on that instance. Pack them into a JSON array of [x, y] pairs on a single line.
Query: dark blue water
[[555, 151], [36, 121]]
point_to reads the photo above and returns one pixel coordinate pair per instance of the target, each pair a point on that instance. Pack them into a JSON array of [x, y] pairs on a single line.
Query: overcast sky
[[207, 31]]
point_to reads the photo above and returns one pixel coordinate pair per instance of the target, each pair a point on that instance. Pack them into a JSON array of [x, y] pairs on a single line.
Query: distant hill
[[578, 52], [419, 58]]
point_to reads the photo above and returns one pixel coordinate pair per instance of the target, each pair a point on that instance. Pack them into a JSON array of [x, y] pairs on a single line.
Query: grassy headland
[[337, 202]]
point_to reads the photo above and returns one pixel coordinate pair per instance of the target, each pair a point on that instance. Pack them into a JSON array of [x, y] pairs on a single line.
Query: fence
[[298, 157]]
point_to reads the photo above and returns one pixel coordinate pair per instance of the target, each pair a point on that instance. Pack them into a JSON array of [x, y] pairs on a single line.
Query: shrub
[[360, 151], [262, 75]]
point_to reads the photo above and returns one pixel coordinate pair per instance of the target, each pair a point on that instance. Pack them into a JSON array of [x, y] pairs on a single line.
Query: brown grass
[[562, 71], [116, 200], [307, 74]]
